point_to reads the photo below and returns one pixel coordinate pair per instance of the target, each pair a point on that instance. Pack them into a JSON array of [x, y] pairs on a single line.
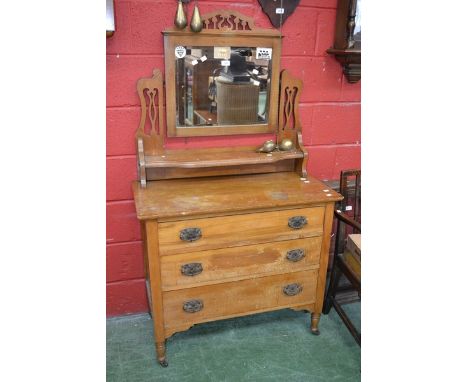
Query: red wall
[[330, 115]]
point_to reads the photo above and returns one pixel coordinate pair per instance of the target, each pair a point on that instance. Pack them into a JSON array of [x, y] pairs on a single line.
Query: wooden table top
[[227, 194]]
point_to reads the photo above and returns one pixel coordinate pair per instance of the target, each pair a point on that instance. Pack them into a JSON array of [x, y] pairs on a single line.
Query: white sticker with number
[[203, 59], [349, 208], [180, 51], [263, 54], [194, 62], [256, 83], [255, 71], [279, 11], [225, 63]]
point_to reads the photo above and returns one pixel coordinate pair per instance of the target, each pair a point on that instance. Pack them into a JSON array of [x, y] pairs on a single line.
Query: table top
[[182, 198]]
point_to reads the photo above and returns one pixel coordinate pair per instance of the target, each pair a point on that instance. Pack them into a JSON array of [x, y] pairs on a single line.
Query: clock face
[[277, 12]]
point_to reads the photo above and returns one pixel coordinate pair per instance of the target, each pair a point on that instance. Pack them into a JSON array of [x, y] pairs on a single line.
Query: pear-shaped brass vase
[[196, 24], [180, 20]]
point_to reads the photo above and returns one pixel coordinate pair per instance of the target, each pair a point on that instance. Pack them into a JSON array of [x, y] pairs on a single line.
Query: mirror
[[222, 85], [223, 80]]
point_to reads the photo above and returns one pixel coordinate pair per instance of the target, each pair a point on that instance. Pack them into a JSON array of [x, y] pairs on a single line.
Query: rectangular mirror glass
[[222, 85]]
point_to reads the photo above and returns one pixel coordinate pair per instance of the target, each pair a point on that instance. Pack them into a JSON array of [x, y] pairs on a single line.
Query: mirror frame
[[218, 31]]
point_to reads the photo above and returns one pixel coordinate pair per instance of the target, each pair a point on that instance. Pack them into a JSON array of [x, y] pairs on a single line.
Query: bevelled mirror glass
[[222, 86], [222, 82]]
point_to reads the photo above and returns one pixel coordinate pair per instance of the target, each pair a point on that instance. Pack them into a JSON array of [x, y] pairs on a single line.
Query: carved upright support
[[150, 141], [289, 124]]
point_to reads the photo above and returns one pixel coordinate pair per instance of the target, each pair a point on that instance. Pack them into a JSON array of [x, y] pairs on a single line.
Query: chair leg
[[352, 329], [332, 286]]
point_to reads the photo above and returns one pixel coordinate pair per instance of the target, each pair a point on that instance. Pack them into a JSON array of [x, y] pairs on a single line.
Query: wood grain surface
[[178, 199], [232, 264], [237, 230], [247, 296]]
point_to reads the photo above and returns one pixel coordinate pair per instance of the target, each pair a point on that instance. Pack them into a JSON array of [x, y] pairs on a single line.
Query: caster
[[163, 363], [315, 332]]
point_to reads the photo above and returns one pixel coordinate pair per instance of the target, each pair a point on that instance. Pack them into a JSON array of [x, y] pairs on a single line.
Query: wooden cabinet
[[267, 249]]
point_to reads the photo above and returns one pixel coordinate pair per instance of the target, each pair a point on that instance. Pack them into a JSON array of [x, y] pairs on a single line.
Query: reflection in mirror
[[222, 85]]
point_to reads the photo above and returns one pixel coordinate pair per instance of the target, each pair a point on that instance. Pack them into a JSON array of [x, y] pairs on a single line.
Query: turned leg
[[314, 323], [161, 350]]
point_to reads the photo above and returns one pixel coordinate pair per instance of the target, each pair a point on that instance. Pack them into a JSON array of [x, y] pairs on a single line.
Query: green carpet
[[274, 346]]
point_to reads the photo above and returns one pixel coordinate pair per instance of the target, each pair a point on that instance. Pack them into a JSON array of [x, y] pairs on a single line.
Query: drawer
[[186, 307], [236, 230], [217, 265]]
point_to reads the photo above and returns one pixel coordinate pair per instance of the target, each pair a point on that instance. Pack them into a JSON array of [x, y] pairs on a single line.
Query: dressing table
[[227, 231]]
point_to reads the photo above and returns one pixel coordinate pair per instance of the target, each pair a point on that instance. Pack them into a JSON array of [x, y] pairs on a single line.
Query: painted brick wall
[[330, 115]]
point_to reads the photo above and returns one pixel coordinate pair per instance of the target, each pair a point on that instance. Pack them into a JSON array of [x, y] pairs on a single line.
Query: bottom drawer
[[186, 307]]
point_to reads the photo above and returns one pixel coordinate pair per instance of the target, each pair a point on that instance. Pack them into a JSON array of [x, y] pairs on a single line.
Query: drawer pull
[[295, 254], [191, 269], [190, 234], [193, 306], [297, 222], [292, 289]]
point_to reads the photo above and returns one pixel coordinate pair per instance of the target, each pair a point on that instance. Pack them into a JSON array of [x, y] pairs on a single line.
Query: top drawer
[[230, 231]]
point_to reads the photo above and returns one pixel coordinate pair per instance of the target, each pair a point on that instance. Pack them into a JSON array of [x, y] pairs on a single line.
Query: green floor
[[275, 346]]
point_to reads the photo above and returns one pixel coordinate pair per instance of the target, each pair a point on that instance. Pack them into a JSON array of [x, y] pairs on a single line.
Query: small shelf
[[218, 157]]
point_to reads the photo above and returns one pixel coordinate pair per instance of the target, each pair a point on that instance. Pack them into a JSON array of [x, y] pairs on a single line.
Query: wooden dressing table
[[229, 231]]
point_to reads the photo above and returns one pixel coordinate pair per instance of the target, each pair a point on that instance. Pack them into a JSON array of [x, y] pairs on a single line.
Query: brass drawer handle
[[191, 269], [297, 222], [190, 234], [292, 289], [193, 306], [295, 254]]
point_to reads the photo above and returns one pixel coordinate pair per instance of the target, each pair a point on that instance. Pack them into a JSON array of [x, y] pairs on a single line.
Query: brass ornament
[[180, 20], [286, 145], [267, 147], [196, 24]]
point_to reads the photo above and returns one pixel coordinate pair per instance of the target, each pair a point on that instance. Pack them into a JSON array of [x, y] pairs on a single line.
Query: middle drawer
[[230, 264]]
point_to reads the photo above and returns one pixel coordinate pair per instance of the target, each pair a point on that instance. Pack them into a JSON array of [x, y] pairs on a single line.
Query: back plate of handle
[[190, 234], [297, 222], [191, 269], [193, 306], [295, 254], [292, 289]]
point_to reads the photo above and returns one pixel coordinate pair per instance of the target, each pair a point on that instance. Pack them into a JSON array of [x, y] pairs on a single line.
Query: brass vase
[[180, 20], [196, 24]]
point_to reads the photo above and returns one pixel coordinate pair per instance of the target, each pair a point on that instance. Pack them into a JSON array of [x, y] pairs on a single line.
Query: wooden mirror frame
[[222, 28]]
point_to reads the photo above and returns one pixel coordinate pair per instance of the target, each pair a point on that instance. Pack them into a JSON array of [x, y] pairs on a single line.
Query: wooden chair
[[347, 254]]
